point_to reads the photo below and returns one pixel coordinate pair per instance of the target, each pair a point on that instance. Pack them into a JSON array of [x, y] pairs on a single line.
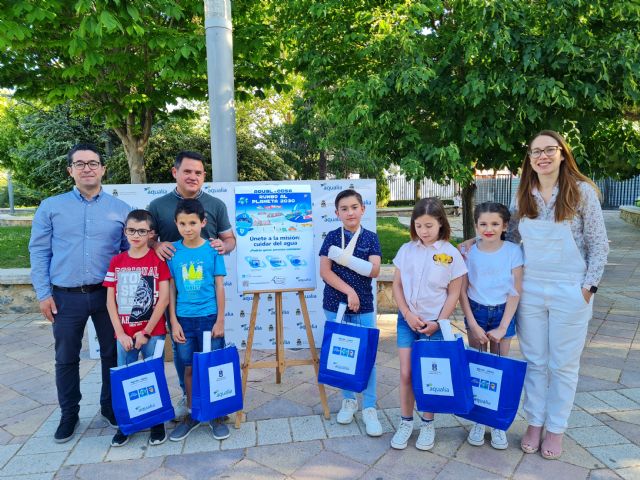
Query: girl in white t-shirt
[[426, 287], [490, 294]]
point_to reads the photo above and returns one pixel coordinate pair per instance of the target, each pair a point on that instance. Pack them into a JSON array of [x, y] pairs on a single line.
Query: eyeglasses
[[142, 232], [93, 165], [548, 151]]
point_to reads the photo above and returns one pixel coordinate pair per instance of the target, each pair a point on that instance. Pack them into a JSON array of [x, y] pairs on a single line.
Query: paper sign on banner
[[436, 376], [221, 382], [141, 394], [485, 383], [343, 354]]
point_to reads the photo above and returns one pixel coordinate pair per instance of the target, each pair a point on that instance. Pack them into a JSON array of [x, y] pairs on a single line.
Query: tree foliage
[[124, 61]]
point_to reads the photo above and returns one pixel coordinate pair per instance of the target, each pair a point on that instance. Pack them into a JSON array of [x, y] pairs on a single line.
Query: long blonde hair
[[568, 190]]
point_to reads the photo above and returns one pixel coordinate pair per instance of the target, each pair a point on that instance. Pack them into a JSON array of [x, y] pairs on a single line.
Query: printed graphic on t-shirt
[[135, 295], [192, 275]]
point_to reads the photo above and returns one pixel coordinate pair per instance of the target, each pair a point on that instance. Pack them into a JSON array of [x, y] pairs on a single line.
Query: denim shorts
[[489, 317], [406, 336], [192, 328]]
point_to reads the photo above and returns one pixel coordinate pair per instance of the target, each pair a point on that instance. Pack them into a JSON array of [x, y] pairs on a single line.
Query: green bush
[[383, 193], [401, 203]]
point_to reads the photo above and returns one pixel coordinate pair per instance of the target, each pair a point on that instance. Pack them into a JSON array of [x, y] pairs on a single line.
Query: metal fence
[[502, 188]]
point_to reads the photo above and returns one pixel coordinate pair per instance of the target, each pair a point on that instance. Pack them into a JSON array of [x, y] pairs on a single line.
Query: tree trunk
[[468, 226], [322, 165], [417, 189], [134, 136]]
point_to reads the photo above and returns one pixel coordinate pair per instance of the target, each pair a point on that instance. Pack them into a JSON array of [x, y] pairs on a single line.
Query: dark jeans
[[68, 330]]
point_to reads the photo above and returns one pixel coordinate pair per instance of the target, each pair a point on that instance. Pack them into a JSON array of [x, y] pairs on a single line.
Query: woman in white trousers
[[558, 218]]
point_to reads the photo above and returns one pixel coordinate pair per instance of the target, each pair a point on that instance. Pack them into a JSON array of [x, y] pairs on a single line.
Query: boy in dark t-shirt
[[349, 259]]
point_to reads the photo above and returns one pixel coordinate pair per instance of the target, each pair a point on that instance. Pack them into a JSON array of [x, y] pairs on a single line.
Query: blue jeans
[[405, 336], [369, 394], [74, 310], [147, 350], [192, 328], [489, 317]]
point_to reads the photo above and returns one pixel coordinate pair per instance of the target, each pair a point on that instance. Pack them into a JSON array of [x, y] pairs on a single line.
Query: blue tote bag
[[497, 385], [440, 376], [217, 384], [140, 395], [348, 355]]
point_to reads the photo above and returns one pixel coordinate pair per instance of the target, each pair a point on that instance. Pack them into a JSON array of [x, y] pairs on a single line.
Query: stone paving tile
[[33, 476], [365, 450], [578, 455], [629, 417], [631, 473], [375, 474], [596, 436], [46, 445], [603, 474], [89, 450], [6, 452], [243, 437], [629, 430], [582, 419], [203, 465], [133, 450], [273, 431], [448, 441], [535, 467], [167, 448], [602, 373], [592, 404], [200, 440], [617, 456], [500, 462], [115, 470], [632, 393], [411, 464], [384, 421], [307, 428], [40, 463], [329, 465], [285, 458], [616, 400], [279, 408], [630, 378], [248, 470], [334, 429], [456, 470], [163, 474]]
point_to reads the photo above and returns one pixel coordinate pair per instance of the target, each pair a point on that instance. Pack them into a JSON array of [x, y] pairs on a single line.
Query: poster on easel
[[274, 231]]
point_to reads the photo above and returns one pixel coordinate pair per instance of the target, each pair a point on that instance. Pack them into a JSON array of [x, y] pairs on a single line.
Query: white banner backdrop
[[238, 307]]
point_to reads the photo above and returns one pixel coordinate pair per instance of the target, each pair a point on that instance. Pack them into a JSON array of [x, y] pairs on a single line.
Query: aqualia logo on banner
[[142, 394], [343, 354], [221, 382], [436, 376]]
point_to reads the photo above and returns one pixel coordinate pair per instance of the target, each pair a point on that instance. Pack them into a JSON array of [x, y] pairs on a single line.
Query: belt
[[82, 289]]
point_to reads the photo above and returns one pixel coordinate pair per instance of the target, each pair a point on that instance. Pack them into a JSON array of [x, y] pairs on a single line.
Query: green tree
[[123, 62], [444, 87]]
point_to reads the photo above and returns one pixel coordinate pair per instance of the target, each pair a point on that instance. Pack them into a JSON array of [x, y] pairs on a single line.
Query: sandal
[[550, 454], [527, 447]]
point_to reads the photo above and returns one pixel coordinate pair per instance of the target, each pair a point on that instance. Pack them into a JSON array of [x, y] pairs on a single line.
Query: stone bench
[[630, 214]]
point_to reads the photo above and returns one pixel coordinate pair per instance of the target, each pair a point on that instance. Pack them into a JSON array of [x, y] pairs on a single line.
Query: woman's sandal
[[527, 448], [549, 454]]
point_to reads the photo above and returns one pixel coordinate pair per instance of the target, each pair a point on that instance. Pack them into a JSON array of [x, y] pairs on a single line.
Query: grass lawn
[[392, 235], [14, 243]]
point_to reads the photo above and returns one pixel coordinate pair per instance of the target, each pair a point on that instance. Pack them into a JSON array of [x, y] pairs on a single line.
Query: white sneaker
[[348, 409], [499, 439], [181, 409], [427, 437], [401, 437], [476, 435], [371, 422]]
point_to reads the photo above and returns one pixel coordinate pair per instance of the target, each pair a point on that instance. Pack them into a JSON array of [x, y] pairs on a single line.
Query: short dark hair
[[350, 192], [189, 206], [83, 146], [433, 207], [141, 215], [492, 207], [187, 154]]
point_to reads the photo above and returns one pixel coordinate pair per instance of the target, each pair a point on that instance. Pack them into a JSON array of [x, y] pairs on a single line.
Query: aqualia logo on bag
[[436, 376], [221, 382], [343, 354], [485, 384], [142, 394]]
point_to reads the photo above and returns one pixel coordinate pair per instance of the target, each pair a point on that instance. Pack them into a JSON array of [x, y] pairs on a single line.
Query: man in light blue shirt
[[73, 237]]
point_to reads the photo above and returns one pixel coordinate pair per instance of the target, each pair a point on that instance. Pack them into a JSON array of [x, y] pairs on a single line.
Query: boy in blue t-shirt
[[196, 301], [345, 252]]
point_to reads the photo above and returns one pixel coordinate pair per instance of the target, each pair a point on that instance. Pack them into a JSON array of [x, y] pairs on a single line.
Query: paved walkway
[[286, 437]]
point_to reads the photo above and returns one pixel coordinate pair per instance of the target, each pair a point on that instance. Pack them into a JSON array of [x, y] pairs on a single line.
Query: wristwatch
[[591, 288]]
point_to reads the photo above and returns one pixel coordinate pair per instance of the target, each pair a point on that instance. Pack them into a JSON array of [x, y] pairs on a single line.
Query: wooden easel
[[280, 364]]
